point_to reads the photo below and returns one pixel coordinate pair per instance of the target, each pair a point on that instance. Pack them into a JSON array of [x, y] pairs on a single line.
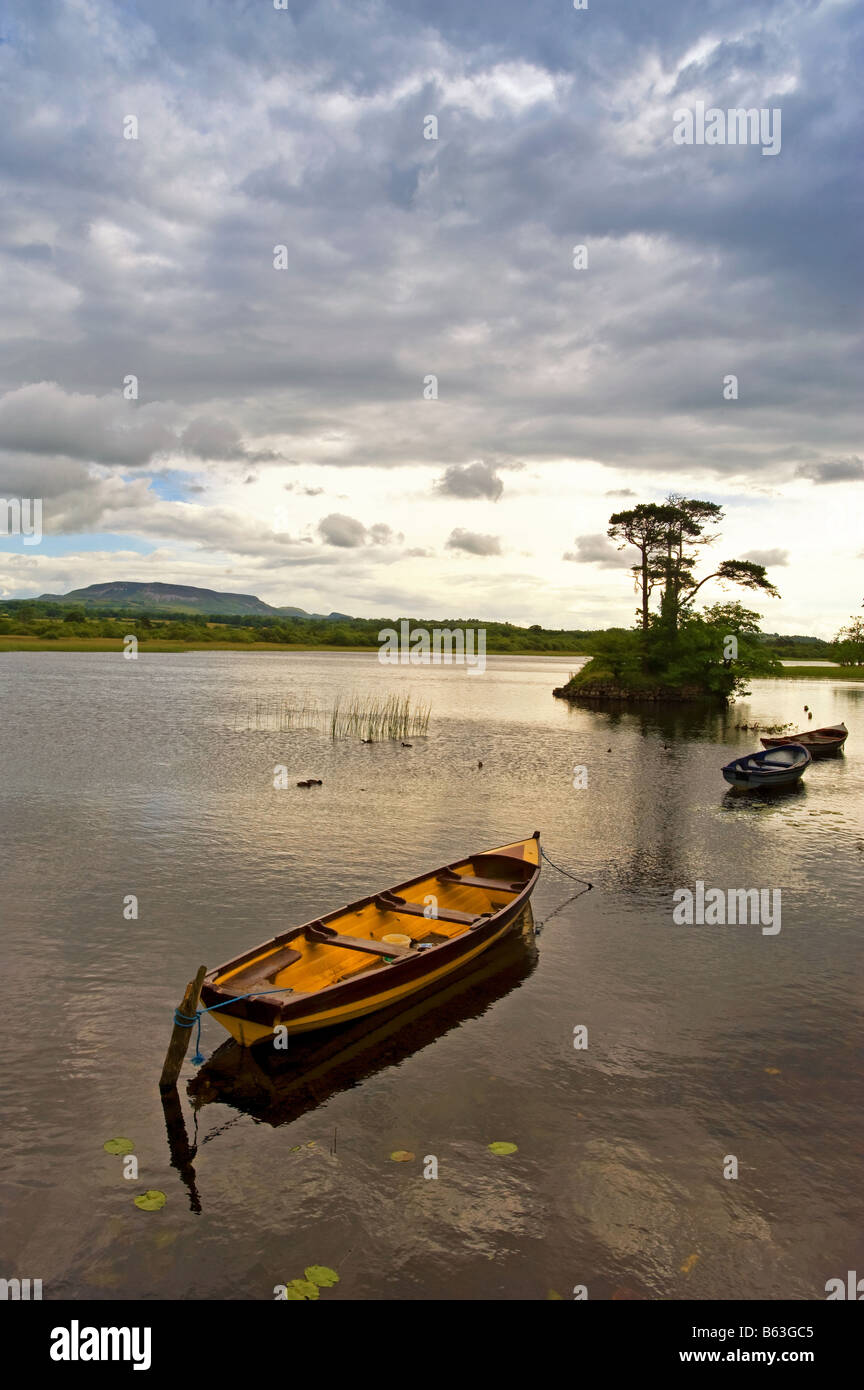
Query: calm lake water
[[124, 777]]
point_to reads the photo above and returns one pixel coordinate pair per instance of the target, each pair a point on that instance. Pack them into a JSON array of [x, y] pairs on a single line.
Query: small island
[[676, 653]]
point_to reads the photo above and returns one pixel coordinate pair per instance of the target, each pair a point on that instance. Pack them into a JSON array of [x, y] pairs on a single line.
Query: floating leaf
[[689, 1263], [401, 1156], [555, 1296], [773, 1071], [321, 1275], [312, 1143], [301, 1290], [151, 1201], [502, 1147], [118, 1146], [295, 1148]]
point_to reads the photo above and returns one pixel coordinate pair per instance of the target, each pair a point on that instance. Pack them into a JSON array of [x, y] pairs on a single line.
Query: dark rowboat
[[775, 767], [820, 743], [376, 951]]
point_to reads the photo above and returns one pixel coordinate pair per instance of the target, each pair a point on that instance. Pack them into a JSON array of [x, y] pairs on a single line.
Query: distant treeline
[[49, 621], [56, 621], [804, 647]]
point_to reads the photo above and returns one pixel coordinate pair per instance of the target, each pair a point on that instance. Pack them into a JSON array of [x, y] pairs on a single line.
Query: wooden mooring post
[[181, 1034]]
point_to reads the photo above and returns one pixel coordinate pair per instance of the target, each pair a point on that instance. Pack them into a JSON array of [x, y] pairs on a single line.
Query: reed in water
[[370, 717]]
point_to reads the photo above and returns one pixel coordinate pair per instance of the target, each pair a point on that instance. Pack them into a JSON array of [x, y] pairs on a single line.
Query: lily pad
[[151, 1201], [321, 1275], [301, 1291], [118, 1146], [502, 1147], [401, 1156], [295, 1148]]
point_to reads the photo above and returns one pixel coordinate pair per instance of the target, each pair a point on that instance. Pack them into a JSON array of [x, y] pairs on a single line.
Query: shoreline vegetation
[[57, 626]]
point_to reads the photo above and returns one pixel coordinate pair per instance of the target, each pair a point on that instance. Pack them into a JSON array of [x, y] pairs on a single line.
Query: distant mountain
[[180, 598]]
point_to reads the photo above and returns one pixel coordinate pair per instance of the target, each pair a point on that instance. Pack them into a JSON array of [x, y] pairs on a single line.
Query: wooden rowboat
[[376, 951], [820, 743], [773, 767]]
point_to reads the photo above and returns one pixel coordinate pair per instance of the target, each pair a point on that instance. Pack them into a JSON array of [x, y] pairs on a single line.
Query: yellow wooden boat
[[374, 952]]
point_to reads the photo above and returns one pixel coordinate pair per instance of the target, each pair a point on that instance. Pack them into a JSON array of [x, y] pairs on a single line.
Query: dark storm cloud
[[343, 531], [349, 534], [218, 439], [833, 471], [42, 418], [471, 480], [767, 557], [473, 543], [599, 550]]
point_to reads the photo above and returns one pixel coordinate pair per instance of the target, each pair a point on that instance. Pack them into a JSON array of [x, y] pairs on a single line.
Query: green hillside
[[125, 595]]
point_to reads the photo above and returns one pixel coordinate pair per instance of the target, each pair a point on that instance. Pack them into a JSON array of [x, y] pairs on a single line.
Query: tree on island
[[668, 537], [675, 650]]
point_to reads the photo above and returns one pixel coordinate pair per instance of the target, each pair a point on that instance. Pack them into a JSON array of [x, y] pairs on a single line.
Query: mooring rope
[[563, 871], [185, 1021]]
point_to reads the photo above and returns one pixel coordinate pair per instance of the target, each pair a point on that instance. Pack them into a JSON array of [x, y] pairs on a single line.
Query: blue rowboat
[[775, 767]]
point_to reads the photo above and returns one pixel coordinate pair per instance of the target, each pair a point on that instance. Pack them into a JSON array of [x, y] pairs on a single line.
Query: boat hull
[[255, 1019], [820, 743], [773, 767], [753, 780]]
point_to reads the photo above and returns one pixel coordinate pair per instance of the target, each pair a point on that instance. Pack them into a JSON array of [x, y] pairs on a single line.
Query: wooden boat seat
[[389, 902], [262, 972], [497, 884], [322, 935]]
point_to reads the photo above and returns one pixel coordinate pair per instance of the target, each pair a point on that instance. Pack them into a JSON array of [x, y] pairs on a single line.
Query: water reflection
[[182, 1153], [739, 798], [702, 721]]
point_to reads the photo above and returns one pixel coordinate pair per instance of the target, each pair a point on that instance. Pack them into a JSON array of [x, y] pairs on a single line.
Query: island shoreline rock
[[609, 690]]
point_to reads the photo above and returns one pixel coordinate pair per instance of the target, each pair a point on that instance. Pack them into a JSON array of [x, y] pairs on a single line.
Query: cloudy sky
[[284, 261]]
